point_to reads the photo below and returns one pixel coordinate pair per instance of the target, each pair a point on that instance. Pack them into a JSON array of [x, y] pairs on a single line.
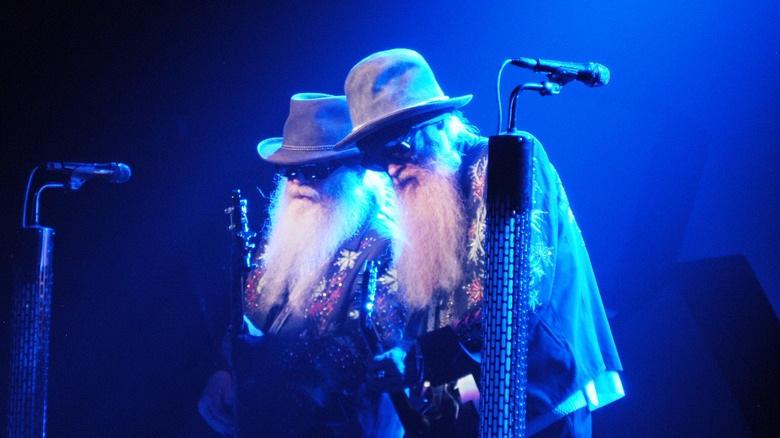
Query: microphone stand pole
[[507, 285], [31, 319], [31, 322], [506, 307]]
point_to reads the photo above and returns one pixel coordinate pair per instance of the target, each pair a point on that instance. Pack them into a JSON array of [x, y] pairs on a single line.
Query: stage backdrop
[[675, 160]]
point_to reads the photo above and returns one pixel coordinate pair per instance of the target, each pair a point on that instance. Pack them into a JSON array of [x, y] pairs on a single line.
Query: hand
[[392, 370], [216, 402]]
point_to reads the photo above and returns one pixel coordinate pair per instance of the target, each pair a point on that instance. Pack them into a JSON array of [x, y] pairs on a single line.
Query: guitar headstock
[[244, 239]]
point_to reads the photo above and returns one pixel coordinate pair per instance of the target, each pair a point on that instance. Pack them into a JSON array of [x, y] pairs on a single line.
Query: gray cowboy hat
[[315, 124], [388, 93]]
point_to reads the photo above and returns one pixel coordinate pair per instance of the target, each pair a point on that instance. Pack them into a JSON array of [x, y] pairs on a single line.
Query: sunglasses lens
[[399, 153], [392, 153], [307, 172], [317, 172]]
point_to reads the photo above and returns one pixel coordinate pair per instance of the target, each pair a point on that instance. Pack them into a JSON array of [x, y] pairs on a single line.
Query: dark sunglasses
[[398, 151], [309, 171]]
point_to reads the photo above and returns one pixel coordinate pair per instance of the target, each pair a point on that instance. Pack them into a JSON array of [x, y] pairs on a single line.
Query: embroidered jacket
[[305, 377]]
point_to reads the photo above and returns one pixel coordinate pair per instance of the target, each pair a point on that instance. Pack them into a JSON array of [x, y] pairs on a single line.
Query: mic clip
[[74, 179], [559, 79], [75, 182], [78, 173], [546, 88]]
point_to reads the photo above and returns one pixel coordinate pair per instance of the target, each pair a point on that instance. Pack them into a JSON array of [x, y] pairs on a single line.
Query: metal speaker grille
[[30, 344], [507, 286]]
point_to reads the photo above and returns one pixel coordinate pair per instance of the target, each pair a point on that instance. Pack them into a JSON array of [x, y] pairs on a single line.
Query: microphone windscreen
[[122, 173]]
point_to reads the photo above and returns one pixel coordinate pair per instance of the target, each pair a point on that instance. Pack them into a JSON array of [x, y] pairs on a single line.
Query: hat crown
[[315, 124], [386, 82], [316, 120]]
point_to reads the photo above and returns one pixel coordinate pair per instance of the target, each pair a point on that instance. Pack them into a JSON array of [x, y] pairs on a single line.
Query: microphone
[[111, 172], [590, 74]]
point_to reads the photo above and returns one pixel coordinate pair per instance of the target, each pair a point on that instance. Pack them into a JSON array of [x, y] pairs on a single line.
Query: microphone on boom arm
[[78, 173], [590, 73]]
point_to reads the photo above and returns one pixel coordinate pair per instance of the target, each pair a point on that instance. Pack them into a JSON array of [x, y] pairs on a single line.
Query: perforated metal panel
[[30, 344], [507, 286]]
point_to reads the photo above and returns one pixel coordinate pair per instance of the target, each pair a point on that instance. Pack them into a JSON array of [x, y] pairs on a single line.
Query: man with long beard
[[405, 125], [300, 367]]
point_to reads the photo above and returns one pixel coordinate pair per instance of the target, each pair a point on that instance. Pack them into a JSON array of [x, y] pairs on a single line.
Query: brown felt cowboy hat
[[315, 124], [390, 92]]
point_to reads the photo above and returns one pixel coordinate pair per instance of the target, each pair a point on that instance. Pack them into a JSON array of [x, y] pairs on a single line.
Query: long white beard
[[428, 254], [305, 233]]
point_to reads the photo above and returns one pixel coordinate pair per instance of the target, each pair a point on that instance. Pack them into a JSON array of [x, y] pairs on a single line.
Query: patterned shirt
[[313, 365]]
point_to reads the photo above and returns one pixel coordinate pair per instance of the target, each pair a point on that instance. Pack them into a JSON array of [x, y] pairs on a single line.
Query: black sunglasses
[[398, 151], [309, 171]]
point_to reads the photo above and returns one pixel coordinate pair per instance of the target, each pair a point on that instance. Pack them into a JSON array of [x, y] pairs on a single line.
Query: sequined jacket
[[306, 377], [570, 341]]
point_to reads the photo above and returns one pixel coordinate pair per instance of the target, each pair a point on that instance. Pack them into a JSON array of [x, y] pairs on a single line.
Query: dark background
[[676, 160]]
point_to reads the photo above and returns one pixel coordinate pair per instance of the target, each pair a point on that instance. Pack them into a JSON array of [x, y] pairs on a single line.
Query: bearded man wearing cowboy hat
[[301, 366], [406, 126]]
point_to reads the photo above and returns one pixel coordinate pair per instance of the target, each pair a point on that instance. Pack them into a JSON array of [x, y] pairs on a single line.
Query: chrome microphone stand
[[29, 371], [506, 306], [31, 319]]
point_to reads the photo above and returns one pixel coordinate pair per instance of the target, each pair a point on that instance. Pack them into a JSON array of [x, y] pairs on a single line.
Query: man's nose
[[394, 169], [297, 181]]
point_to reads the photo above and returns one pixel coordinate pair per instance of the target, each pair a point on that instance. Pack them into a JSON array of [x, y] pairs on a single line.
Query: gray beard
[[429, 251], [305, 235]]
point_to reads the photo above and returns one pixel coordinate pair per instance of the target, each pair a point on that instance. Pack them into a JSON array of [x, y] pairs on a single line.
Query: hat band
[[307, 148]]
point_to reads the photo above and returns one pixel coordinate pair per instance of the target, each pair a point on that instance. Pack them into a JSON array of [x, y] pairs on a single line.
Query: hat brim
[[271, 150], [397, 123]]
